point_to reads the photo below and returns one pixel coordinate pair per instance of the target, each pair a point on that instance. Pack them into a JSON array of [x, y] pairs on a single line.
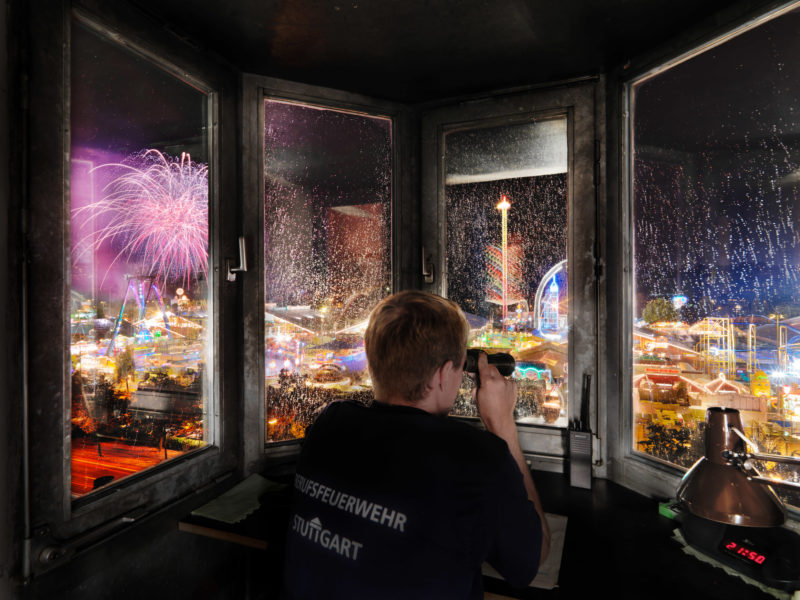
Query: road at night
[[118, 459]]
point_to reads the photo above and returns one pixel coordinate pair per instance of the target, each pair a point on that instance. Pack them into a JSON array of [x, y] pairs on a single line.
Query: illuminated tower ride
[[783, 354], [752, 356], [717, 344], [550, 306], [503, 207], [546, 307], [514, 274]]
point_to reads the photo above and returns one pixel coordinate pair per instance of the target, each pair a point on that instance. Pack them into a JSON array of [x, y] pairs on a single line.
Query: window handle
[[427, 267], [242, 261], [57, 551]]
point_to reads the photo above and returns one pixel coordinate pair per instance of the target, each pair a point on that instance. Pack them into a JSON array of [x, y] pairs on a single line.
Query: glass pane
[[327, 256], [717, 246], [139, 247], [506, 206]]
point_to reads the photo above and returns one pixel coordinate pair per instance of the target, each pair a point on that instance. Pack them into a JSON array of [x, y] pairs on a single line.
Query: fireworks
[[157, 214]]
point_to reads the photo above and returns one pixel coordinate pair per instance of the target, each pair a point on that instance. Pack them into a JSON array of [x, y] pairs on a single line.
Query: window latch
[[232, 271], [427, 267]]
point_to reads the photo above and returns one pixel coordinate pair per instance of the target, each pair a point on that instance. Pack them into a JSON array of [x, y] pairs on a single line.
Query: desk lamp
[[734, 514]]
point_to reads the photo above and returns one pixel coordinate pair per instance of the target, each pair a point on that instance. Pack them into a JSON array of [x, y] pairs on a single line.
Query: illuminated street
[[118, 460]]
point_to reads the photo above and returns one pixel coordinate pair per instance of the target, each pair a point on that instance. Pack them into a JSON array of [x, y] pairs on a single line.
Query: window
[[128, 377], [139, 237], [327, 256], [509, 213], [716, 310], [506, 205]]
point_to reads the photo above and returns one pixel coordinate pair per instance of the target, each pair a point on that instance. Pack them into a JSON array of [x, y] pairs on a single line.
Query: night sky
[[716, 197], [122, 105], [537, 220]]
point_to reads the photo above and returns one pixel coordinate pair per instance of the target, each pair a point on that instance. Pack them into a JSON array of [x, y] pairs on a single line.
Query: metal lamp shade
[[717, 489]]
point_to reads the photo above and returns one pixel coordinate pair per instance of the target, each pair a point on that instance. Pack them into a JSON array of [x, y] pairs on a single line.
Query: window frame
[[255, 90], [638, 470], [57, 526], [545, 446]]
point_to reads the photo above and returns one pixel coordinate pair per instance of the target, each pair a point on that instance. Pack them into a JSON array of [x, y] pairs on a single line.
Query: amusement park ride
[[137, 284], [681, 370]]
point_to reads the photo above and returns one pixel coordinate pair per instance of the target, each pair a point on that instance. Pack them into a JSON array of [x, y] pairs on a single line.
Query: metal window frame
[[545, 446], [259, 454], [57, 527], [634, 469]]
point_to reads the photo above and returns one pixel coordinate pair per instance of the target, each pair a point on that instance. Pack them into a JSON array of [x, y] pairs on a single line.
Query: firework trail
[[157, 211]]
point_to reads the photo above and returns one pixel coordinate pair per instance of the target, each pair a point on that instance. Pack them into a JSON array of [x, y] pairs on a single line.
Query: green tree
[[672, 444], [125, 363], [659, 309]]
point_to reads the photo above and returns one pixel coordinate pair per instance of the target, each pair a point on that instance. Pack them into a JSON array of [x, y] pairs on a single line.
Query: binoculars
[[505, 363]]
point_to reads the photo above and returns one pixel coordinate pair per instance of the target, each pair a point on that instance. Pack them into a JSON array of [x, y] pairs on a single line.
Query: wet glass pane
[[716, 202], [139, 259], [506, 206], [327, 256]]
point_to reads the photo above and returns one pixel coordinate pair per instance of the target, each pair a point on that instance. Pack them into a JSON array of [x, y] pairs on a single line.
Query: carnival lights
[[503, 207]]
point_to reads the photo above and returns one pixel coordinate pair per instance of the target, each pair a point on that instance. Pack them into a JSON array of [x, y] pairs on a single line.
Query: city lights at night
[[139, 228], [716, 246]]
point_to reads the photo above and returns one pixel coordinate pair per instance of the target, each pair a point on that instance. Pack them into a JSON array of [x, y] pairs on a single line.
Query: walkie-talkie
[[580, 442]]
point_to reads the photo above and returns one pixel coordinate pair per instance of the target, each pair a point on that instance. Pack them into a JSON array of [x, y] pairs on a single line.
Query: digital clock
[[770, 555], [743, 552]]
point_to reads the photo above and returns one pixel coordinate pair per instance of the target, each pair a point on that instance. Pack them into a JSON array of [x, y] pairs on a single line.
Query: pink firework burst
[[157, 211]]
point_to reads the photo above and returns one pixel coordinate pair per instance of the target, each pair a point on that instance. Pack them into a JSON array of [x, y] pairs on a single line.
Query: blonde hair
[[410, 335]]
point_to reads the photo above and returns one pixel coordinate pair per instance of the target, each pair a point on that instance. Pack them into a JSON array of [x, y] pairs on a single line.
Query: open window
[[713, 178], [124, 331], [506, 184]]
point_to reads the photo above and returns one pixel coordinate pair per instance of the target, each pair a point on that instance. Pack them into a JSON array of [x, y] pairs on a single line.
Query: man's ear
[[440, 374]]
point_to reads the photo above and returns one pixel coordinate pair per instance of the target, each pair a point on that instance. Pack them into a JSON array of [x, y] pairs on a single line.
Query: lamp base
[[770, 555]]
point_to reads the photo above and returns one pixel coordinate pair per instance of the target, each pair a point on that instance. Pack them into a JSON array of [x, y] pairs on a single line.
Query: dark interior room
[[204, 201]]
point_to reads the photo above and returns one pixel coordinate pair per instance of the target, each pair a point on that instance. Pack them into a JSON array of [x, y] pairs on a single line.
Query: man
[[395, 500]]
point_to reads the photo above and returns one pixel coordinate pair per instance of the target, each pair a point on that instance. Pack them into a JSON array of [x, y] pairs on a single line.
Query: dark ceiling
[[420, 50]]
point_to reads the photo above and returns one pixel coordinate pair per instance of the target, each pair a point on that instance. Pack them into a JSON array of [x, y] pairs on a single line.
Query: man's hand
[[496, 398]]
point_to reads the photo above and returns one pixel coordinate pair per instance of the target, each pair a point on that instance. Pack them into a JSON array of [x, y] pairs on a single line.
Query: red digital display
[[743, 552]]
